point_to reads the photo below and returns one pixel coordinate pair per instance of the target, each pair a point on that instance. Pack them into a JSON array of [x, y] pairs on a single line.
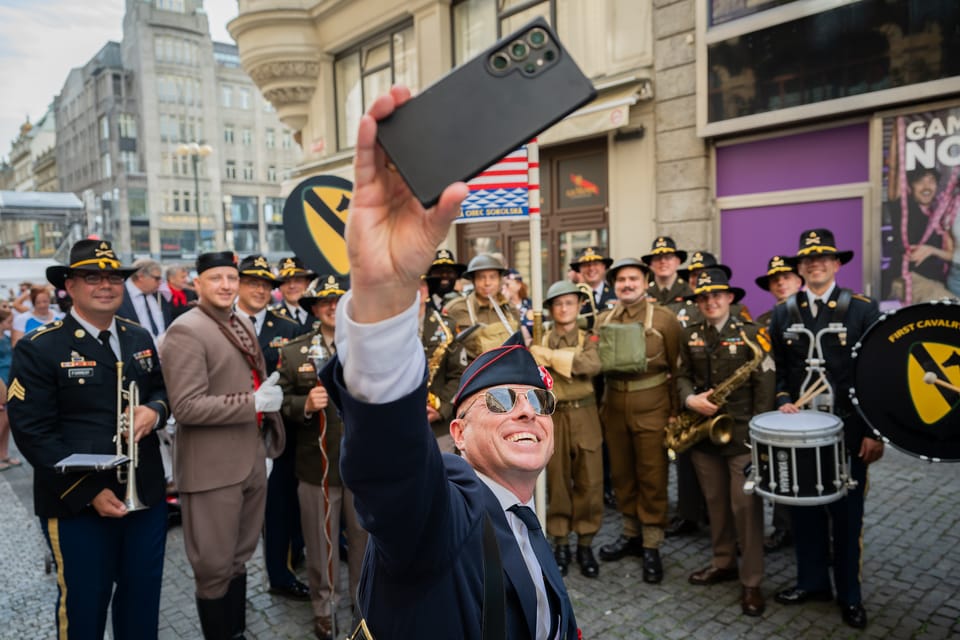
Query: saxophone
[[433, 365], [691, 427]]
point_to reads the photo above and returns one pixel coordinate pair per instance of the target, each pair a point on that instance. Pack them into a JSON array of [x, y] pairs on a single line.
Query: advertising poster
[[920, 218]]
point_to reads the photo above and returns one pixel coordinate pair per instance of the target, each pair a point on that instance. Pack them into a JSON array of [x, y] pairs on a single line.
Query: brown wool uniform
[[467, 311], [709, 357], [446, 378], [575, 471], [219, 450], [635, 411], [297, 377]]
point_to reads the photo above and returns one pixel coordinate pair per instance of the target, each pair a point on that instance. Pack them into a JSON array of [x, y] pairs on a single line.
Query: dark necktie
[[818, 305], [540, 548], [253, 319], [153, 323], [104, 337]]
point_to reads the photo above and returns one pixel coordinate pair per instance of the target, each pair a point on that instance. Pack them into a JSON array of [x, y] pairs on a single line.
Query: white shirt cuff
[[382, 361]]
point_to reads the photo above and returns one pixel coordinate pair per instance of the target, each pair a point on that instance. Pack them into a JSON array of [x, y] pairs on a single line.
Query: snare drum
[[798, 458]]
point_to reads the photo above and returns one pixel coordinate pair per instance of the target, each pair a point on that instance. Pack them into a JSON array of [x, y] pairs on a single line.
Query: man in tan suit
[[228, 424]]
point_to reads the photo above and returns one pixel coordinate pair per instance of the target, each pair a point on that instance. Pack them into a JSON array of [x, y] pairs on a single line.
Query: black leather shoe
[[854, 615], [652, 567], [794, 595], [680, 527], [777, 540], [713, 575], [588, 564], [295, 591], [561, 553], [622, 546]]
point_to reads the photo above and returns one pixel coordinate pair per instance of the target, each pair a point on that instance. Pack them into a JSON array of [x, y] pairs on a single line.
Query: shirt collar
[[811, 297], [92, 330], [504, 496]]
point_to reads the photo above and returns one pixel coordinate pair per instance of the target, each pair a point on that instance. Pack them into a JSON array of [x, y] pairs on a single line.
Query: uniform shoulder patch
[[42, 330], [16, 390]]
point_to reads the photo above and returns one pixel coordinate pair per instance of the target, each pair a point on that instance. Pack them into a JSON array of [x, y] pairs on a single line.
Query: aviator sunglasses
[[504, 399]]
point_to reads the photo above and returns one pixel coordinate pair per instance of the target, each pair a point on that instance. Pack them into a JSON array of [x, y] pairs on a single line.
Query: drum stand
[[816, 389]]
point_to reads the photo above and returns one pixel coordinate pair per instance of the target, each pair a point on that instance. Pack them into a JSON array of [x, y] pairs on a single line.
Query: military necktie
[[544, 556], [104, 337], [818, 305]]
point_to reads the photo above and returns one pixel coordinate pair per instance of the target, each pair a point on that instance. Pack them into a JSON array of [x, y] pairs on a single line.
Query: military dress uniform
[[575, 471], [812, 526], [438, 331], [62, 400], [709, 357], [636, 408], [314, 468]]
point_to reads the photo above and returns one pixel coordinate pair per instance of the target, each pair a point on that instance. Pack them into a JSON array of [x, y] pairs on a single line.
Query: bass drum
[[907, 379]]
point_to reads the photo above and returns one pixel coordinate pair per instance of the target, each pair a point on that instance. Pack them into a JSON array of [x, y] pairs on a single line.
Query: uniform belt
[[588, 401], [637, 385]]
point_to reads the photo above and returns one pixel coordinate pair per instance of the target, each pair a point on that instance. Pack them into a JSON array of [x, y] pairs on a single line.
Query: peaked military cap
[[216, 259], [819, 242], [662, 246], [331, 289], [444, 258], [776, 265], [88, 255], [590, 255], [293, 267], [510, 363], [256, 266], [712, 280]]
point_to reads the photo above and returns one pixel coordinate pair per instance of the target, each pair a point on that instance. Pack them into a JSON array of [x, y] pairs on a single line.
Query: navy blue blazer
[[128, 311], [66, 402], [790, 356], [423, 568]]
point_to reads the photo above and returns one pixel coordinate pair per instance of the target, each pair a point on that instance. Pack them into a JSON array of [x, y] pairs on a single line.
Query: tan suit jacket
[[210, 386]]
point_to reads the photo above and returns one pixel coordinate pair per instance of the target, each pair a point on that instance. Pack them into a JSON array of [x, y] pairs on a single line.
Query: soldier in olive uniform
[[702, 260], [638, 402], [282, 541], [713, 350], [444, 367], [782, 281], [306, 407], [574, 473], [495, 317]]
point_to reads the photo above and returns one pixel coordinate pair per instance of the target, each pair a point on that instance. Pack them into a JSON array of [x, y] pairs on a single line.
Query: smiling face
[[819, 272], [715, 306], [218, 286], [924, 189], [630, 284], [325, 310], [293, 289], [512, 448], [94, 301], [665, 265], [253, 294], [593, 272]]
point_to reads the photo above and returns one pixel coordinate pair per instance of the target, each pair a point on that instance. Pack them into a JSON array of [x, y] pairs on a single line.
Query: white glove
[[269, 397]]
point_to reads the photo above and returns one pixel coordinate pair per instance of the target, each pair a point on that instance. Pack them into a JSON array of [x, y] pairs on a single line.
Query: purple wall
[[811, 159], [750, 237]]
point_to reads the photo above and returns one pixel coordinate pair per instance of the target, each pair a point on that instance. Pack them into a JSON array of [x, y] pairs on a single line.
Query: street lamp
[[195, 151]]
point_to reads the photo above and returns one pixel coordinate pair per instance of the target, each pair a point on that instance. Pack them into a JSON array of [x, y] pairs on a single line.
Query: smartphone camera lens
[[530, 68], [518, 50], [500, 61], [537, 38], [549, 55]]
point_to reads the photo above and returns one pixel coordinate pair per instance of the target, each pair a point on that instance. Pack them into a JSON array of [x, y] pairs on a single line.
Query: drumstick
[[812, 393], [931, 378]]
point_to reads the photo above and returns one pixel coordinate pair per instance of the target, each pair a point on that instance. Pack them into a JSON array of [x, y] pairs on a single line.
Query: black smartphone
[[482, 110]]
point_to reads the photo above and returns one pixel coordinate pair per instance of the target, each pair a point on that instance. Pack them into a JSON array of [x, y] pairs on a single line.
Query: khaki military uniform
[[470, 310], [575, 471], [708, 358], [635, 411], [297, 377], [437, 331]]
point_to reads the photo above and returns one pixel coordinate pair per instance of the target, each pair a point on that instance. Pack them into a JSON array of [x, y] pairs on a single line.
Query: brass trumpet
[[125, 423]]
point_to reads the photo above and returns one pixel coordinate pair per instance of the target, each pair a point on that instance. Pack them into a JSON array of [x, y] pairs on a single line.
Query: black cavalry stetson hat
[[702, 260], [819, 242], [713, 279], [590, 255], [444, 258], [331, 289], [257, 266], [293, 267], [88, 255], [776, 265], [664, 245]]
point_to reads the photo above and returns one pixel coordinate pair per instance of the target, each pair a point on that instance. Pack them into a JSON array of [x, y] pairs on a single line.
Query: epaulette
[[279, 310], [306, 337], [283, 316], [129, 321], [861, 297], [47, 328], [779, 302]]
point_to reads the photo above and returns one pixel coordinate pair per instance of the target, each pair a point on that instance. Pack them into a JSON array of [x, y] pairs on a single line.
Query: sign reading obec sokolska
[[314, 219]]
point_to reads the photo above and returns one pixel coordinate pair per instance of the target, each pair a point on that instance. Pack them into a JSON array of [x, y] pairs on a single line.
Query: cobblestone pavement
[[911, 576]]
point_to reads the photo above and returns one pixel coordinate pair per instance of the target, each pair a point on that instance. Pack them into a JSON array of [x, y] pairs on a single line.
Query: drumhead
[[803, 424], [894, 363]]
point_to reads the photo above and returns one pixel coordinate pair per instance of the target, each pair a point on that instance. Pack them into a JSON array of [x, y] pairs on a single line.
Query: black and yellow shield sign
[[314, 219], [907, 370]]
